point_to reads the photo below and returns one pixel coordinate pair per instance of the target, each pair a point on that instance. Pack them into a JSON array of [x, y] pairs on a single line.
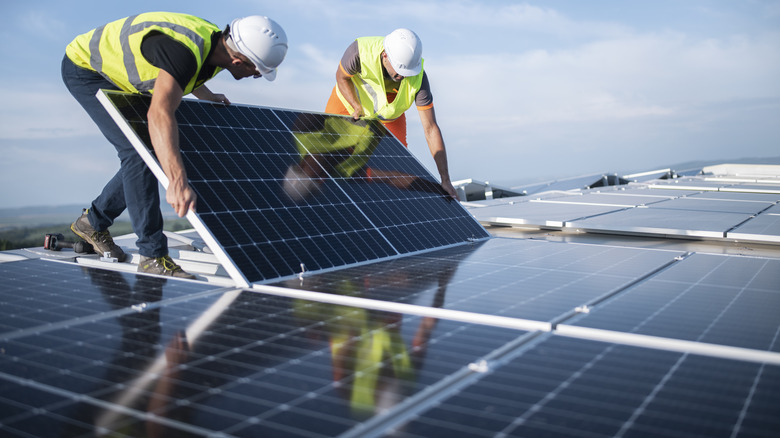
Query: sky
[[523, 91]]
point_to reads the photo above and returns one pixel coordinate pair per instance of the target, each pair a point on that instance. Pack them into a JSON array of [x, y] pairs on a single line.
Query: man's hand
[[220, 98], [448, 187], [357, 113], [203, 93], [181, 197]]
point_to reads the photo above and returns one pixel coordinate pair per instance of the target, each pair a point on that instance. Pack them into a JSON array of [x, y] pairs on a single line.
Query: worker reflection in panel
[[373, 366], [339, 147], [134, 382]]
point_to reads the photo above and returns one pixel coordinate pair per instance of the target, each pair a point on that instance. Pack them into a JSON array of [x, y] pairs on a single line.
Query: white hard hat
[[404, 50], [261, 40]]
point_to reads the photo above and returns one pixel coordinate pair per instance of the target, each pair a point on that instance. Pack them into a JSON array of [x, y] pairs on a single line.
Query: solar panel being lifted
[[282, 191]]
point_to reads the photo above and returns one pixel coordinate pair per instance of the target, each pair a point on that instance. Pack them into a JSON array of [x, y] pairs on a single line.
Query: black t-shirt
[[175, 58]]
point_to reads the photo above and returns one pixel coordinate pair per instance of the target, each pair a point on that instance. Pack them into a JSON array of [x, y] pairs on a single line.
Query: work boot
[[101, 241], [162, 266]]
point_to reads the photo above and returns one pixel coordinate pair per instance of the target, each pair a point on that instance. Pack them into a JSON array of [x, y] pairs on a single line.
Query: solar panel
[[543, 214], [739, 196], [538, 280], [716, 299], [660, 221], [702, 215], [562, 387], [204, 361], [237, 363], [709, 205], [38, 293], [764, 227], [282, 191]]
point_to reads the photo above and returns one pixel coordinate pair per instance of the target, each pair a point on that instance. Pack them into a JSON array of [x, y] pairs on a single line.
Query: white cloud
[[638, 77], [319, 61], [42, 113], [37, 23]]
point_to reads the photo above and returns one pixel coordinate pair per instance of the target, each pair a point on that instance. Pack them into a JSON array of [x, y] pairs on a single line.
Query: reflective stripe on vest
[[124, 65], [370, 84]]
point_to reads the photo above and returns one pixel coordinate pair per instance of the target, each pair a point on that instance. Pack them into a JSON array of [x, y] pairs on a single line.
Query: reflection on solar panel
[[220, 361], [527, 279], [641, 342], [283, 191], [38, 293]]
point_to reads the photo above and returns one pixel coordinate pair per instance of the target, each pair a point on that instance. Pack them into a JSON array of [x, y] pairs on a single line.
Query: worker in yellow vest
[[381, 77], [167, 55]]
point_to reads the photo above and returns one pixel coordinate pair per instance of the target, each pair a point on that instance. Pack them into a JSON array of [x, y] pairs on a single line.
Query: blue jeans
[[134, 187]]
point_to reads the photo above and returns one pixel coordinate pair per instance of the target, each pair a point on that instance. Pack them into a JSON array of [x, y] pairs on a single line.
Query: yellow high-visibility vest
[[370, 84], [114, 49]]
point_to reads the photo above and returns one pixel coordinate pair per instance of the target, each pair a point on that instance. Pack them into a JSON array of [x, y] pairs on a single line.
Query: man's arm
[[344, 82], [164, 133], [436, 145]]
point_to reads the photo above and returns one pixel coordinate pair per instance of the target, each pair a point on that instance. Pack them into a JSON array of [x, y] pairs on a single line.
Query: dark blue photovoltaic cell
[[573, 388], [732, 301], [527, 279], [279, 189], [29, 412], [41, 293], [238, 363]]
